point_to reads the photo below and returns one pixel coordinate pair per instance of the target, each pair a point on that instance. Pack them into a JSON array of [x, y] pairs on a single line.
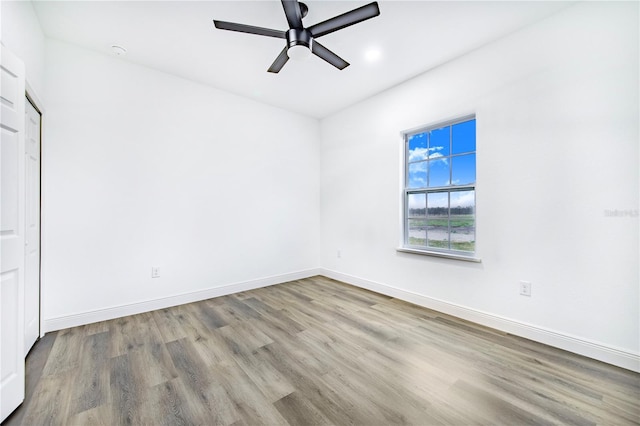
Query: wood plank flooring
[[313, 351]]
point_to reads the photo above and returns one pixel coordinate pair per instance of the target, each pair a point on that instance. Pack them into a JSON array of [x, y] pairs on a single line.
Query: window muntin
[[439, 188]]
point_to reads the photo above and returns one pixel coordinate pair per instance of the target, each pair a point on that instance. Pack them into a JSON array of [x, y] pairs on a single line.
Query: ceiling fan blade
[[336, 23], [282, 59], [324, 53], [293, 13], [242, 28]]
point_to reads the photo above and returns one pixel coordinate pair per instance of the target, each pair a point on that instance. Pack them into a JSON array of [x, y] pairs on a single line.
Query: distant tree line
[[441, 211]]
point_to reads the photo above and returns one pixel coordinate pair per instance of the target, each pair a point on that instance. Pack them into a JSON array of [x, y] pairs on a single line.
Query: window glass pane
[[417, 205], [417, 229], [438, 220], [439, 142], [464, 137], [439, 172], [417, 175], [463, 169], [418, 147], [463, 223]]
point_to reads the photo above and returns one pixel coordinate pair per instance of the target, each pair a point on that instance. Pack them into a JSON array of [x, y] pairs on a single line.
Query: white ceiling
[[178, 37]]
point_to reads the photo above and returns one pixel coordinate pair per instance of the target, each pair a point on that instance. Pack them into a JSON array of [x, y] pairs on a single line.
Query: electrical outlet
[[339, 254], [525, 288], [155, 272]]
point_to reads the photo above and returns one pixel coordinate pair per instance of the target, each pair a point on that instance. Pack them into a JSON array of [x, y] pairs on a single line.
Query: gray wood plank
[[313, 351]]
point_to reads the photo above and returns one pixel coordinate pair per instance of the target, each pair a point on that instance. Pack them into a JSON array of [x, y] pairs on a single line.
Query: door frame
[[36, 101]]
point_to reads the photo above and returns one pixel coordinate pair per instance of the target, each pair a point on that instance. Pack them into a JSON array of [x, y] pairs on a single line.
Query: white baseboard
[[598, 351], [59, 323]]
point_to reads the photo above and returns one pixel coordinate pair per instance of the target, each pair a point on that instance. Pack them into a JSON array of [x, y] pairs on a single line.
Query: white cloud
[[418, 167], [439, 199], [439, 157], [418, 154], [417, 182], [463, 199], [417, 201]]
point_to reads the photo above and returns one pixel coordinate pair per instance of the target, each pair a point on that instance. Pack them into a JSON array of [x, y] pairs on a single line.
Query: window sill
[[439, 254]]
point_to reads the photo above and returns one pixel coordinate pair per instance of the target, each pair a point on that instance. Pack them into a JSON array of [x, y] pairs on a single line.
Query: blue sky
[[441, 157], [435, 160]]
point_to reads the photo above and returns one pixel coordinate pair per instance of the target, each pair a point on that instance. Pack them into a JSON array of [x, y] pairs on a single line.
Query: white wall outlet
[[525, 288], [339, 254], [155, 272]]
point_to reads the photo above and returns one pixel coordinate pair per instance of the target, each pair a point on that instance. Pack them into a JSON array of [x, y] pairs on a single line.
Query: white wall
[[557, 113], [146, 169], [21, 33]]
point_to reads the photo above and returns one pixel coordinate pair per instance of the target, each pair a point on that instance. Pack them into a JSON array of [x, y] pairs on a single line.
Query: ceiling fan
[[301, 41]]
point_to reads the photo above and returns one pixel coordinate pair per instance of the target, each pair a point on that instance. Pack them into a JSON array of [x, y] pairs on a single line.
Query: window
[[440, 189]]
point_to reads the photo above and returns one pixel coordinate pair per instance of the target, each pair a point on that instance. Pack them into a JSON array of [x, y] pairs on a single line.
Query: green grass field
[[456, 222], [460, 225]]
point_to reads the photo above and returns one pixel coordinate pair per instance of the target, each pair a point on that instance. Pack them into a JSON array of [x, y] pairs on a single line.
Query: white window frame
[[432, 251]]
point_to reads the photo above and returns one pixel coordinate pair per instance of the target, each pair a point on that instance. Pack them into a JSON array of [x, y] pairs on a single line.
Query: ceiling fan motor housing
[[299, 37]]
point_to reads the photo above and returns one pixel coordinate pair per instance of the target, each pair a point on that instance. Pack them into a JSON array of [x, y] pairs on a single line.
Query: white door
[[32, 228], [12, 109]]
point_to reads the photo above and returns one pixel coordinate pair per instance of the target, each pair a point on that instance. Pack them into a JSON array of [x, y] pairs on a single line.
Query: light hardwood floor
[[314, 351]]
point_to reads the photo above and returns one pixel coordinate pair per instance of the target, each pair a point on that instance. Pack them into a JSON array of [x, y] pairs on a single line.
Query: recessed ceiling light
[[119, 50], [373, 54]]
